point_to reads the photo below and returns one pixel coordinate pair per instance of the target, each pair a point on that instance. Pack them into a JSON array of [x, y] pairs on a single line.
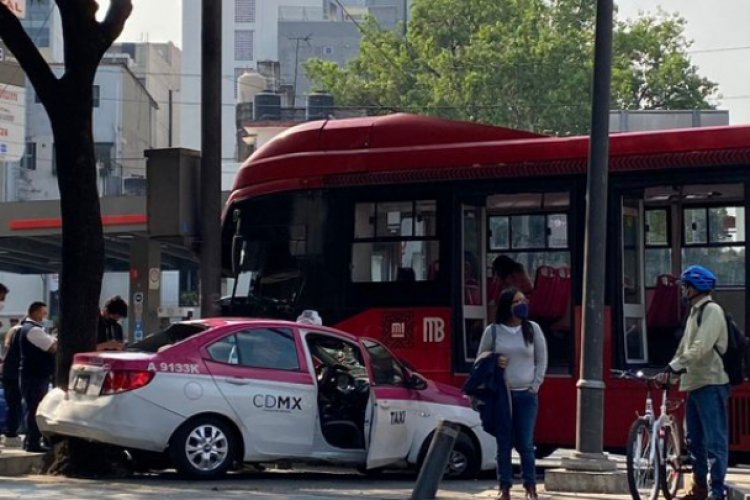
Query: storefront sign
[[12, 122]]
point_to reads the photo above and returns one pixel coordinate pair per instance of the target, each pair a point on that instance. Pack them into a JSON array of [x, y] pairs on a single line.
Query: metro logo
[[433, 329], [398, 330], [277, 403]]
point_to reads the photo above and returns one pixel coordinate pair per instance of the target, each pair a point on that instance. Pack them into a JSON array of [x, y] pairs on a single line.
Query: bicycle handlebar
[[639, 375]]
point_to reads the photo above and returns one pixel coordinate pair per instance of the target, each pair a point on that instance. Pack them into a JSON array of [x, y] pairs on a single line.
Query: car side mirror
[[416, 382]]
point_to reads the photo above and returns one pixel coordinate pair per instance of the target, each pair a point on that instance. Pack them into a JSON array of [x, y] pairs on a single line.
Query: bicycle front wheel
[[643, 471], [670, 463]]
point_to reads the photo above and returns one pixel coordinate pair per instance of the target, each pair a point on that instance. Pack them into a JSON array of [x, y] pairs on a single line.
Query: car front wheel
[[463, 462], [203, 448]]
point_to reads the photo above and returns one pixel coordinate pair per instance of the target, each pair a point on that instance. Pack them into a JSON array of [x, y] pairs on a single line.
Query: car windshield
[[174, 333]]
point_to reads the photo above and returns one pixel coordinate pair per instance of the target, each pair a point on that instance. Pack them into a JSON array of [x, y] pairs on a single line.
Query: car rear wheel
[[203, 448]]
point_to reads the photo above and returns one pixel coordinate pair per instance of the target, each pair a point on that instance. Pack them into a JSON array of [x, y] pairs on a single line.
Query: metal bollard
[[435, 461]]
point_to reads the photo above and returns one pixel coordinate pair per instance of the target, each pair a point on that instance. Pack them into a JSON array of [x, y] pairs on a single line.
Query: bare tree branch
[[32, 62], [114, 22], [78, 24]]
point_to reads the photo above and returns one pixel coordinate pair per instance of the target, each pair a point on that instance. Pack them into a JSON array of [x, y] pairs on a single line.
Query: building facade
[[124, 112], [158, 66], [44, 25], [250, 35]]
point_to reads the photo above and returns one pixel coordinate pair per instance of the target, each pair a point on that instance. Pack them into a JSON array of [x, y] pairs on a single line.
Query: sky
[[151, 20], [719, 29]]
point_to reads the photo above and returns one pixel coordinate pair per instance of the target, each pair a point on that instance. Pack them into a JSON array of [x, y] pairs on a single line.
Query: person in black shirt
[[12, 386], [36, 368], [109, 334]]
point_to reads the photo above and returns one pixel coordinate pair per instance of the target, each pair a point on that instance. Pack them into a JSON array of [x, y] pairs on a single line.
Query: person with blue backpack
[[698, 362]]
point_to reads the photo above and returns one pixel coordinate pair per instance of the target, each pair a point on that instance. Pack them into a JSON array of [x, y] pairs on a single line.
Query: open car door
[[389, 418]]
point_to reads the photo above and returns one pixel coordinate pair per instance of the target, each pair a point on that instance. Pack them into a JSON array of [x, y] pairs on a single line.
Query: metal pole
[[589, 428], [210, 190], [170, 122], [435, 461], [406, 16], [296, 65]]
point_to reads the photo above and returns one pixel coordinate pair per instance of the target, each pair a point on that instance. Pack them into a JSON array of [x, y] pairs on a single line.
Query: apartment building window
[[244, 11], [96, 96], [243, 45], [29, 157]]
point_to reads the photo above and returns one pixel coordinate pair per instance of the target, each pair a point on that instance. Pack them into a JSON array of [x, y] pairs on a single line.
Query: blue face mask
[[521, 310]]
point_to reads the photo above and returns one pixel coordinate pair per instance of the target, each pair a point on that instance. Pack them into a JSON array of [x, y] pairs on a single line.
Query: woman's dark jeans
[[525, 406]]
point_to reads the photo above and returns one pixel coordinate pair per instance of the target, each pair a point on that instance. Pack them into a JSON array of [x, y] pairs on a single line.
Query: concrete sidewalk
[[738, 483], [18, 467]]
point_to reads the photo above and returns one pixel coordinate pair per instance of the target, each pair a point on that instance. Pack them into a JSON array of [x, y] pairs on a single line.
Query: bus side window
[[394, 242]]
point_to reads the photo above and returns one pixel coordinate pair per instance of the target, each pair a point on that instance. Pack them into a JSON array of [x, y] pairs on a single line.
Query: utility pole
[[297, 40], [589, 455], [210, 177], [406, 16], [170, 122], [590, 423]]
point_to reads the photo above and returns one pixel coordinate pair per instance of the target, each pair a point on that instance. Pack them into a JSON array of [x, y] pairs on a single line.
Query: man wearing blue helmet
[[703, 377]]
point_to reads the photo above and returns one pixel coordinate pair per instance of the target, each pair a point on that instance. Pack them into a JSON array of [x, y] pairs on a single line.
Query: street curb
[[19, 463], [736, 492]]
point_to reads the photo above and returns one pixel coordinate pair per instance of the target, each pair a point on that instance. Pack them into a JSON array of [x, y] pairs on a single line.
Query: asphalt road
[[305, 483]]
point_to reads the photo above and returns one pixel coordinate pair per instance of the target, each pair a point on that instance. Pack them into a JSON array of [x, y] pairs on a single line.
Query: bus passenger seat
[[541, 305], [561, 325], [561, 300], [663, 320], [664, 310]]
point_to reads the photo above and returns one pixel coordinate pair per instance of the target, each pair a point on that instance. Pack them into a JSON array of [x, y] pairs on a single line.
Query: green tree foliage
[[518, 63]]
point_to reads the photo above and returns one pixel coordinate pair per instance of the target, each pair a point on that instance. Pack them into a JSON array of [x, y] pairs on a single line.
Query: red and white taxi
[[214, 393]]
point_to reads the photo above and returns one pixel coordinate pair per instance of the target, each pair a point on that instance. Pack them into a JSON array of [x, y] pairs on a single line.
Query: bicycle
[[654, 465]]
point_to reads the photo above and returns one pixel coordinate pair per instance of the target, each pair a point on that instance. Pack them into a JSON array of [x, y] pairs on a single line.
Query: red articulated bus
[[389, 226]]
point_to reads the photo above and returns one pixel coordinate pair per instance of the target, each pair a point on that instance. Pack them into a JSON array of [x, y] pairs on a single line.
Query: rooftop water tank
[[267, 106], [250, 83], [319, 106]]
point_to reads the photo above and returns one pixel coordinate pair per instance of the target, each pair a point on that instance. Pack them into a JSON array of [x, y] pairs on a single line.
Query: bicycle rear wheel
[[670, 463], [643, 473]]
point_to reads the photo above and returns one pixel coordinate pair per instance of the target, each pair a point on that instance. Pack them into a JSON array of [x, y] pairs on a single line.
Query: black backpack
[[734, 359]]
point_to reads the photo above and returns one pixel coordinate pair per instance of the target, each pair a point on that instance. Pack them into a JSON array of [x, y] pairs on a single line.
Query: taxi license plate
[[81, 383]]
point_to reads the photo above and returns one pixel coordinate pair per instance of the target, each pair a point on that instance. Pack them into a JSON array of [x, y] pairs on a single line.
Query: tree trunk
[[82, 234]]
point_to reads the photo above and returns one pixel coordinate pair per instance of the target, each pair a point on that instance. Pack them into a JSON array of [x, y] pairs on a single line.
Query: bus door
[[633, 289], [473, 279]]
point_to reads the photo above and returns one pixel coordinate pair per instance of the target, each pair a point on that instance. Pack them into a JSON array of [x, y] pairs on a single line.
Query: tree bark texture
[[68, 101], [82, 236]]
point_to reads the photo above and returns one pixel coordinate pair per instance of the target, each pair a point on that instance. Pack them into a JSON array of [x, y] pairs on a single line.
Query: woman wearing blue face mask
[[523, 352]]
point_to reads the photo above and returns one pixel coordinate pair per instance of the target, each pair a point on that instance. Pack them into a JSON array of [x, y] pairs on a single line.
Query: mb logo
[[433, 329]]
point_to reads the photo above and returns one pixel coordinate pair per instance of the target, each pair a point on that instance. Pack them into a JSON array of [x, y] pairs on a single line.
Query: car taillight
[[118, 381]]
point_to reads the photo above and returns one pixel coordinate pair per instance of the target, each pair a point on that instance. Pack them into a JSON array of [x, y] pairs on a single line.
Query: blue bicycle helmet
[[701, 278]]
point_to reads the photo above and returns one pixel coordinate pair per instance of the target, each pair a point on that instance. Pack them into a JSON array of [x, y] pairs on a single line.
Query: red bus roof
[[405, 148]]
